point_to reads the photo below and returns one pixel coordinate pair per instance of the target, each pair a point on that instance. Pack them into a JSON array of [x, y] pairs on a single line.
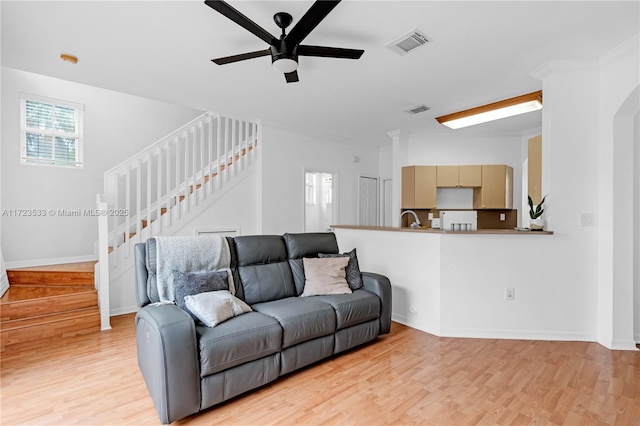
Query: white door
[[368, 201]]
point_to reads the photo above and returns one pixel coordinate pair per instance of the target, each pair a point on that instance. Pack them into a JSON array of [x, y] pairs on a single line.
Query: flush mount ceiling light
[[69, 58], [494, 111]]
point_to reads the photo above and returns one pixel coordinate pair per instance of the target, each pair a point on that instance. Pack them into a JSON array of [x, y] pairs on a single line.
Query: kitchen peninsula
[[454, 283]]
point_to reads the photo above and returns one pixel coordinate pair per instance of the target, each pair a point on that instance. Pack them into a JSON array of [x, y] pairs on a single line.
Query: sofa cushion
[[307, 245], [215, 307], [325, 276], [353, 275], [192, 283], [351, 309], [300, 319], [263, 268], [239, 340]]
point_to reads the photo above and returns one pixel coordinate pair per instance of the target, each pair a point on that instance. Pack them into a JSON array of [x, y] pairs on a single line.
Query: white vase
[[536, 224]]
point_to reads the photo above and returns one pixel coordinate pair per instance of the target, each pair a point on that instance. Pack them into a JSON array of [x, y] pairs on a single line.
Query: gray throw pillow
[[354, 277], [192, 283]]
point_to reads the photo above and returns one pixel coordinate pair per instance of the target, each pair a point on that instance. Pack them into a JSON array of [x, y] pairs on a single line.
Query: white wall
[[116, 126], [234, 210], [285, 156]]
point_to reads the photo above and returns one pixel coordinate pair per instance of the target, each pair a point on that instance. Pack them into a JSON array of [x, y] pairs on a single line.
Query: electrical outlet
[[502, 217], [509, 293]]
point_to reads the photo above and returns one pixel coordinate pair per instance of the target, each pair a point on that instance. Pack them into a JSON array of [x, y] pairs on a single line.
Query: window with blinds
[[51, 132]]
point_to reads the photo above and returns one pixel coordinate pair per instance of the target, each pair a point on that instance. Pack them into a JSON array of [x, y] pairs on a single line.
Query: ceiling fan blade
[[316, 13], [241, 57], [329, 52], [240, 19], [291, 77]]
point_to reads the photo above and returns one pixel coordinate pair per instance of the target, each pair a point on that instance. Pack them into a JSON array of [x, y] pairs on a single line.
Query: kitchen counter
[[438, 231]]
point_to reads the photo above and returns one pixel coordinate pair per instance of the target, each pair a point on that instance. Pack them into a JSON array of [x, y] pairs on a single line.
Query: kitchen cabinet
[[458, 176], [419, 187], [496, 191]]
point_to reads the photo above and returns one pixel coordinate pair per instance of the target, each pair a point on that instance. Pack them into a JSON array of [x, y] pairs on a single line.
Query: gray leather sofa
[[189, 367]]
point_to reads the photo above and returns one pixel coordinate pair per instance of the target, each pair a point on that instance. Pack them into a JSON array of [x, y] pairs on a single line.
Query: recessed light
[[69, 58]]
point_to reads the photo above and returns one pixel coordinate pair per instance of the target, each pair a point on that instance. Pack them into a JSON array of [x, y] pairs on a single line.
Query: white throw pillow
[[214, 307], [325, 276]]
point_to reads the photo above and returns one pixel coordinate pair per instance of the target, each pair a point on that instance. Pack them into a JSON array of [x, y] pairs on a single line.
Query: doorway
[[320, 201]]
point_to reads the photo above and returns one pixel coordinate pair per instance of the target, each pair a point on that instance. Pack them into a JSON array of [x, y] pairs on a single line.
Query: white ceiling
[[480, 52]]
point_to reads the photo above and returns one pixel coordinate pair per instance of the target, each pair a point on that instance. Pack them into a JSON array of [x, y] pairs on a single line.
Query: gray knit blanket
[[189, 254]]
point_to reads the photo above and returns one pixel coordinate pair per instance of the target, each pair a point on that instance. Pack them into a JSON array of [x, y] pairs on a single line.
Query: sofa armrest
[[381, 286], [168, 359]]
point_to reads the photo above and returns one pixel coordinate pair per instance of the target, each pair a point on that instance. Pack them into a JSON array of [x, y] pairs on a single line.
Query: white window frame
[[78, 136]]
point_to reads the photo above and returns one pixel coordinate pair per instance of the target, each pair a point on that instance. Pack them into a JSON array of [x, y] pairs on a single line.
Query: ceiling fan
[[285, 50]]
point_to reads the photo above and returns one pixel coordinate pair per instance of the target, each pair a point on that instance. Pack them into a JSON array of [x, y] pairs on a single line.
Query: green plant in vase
[[535, 213]]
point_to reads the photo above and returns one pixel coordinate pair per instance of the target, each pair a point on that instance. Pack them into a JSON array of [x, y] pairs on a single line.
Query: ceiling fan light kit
[[494, 111], [285, 65], [285, 50]]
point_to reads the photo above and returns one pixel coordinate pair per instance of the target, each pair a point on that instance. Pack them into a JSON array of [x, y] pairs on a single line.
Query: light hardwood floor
[[406, 377]]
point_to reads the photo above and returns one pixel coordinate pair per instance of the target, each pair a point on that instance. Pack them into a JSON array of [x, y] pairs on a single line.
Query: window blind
[[51, 132]]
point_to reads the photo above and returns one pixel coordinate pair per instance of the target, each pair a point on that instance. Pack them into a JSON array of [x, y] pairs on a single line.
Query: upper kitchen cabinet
[[459, 176], [419, 187], [496, 191]]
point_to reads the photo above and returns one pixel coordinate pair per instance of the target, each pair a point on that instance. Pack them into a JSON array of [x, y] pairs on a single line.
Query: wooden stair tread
[[66, 267], [47, 305], [48, 319], [37, 331], [52, 278], [80, 273], [19, 293]]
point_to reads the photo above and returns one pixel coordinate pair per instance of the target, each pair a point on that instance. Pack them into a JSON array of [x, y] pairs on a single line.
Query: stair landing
[[48, 302]]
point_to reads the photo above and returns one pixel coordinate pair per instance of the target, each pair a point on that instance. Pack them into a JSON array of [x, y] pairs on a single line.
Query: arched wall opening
[[626, 219]]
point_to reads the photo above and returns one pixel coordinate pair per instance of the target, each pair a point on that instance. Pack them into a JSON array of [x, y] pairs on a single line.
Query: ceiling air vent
[[417, 110], [408, 42]]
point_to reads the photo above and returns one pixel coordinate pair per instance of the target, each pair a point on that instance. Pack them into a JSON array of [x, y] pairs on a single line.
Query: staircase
[[48, 302], [163, 187]]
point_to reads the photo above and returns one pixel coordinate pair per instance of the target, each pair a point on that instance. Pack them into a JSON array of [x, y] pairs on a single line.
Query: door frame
[[381, 216]]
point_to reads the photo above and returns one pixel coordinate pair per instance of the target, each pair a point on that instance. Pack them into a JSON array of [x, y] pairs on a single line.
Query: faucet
[[415, 224]]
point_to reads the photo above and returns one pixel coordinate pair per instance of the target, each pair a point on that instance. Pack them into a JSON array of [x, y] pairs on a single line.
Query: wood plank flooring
[[407, 377]]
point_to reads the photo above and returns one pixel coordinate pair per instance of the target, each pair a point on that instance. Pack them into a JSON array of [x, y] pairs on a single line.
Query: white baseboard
[[418, 325], [474, 333], [518, 334], [620, 345], [53, 261], [123, 310]]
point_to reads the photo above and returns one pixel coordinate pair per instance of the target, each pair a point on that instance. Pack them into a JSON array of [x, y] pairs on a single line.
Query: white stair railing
[[153, 189]]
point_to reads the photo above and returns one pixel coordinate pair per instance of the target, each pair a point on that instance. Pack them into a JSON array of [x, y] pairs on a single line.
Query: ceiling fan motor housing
[[282, 51]]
